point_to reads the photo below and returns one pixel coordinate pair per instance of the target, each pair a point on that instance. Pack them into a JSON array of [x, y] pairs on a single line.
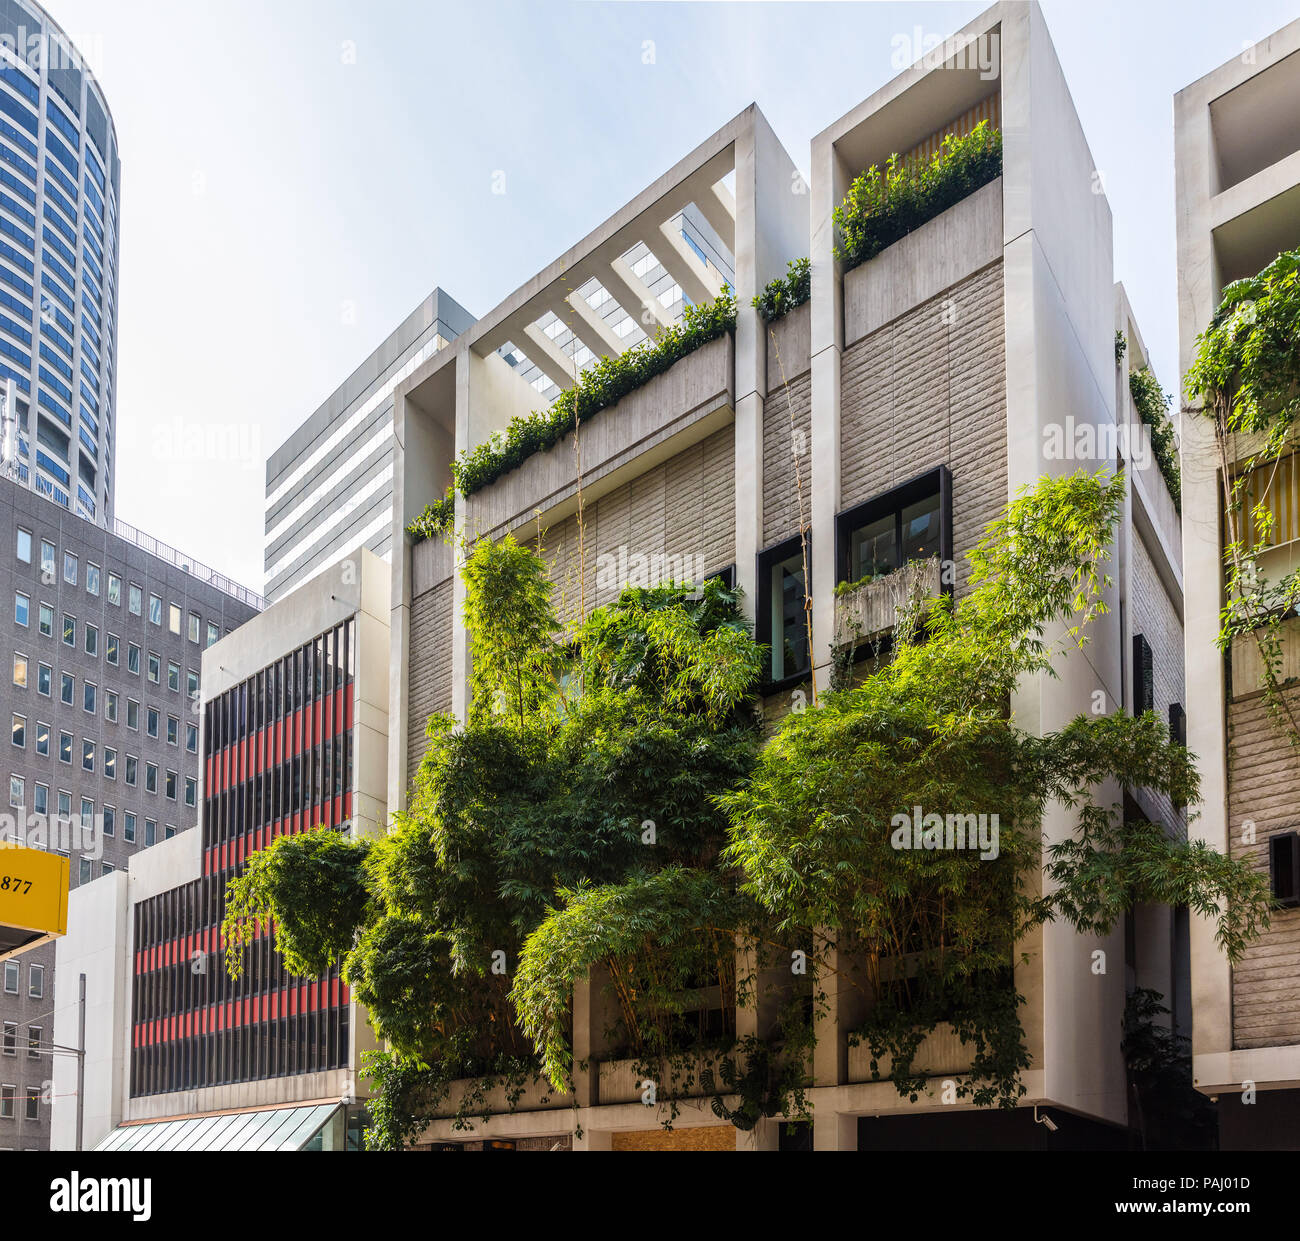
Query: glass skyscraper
[[59, 186]]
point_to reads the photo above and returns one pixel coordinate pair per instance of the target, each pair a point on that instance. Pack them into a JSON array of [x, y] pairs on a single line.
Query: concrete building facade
[[1237, 153], [60, 182], [105, 652], [932, 379]]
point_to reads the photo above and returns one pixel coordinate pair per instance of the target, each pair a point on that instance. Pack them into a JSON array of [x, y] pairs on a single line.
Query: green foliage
[[1246, 380], [884, 205], [937, 930], [602, 384], [315, 874], [1152, 405], [1171, 1113], [437, 521], [782, 295], [1121, 346]]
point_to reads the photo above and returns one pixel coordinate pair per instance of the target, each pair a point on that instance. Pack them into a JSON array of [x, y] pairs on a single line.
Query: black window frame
[[766, 558], [936, 479]]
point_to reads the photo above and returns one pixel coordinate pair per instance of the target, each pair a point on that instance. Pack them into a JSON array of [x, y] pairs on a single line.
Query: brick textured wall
[[787, 430], [705, 1138], [429, 684], [1263, 775], [929, 389], [1154, 616], [684, 508]]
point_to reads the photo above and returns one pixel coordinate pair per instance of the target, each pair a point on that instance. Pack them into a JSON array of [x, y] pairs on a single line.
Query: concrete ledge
[[940, 254], [688, 402], [432, 563], [792, 351], [1270, 1068]]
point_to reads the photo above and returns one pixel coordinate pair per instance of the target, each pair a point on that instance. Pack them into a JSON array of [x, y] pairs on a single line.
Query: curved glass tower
[[59, 184]]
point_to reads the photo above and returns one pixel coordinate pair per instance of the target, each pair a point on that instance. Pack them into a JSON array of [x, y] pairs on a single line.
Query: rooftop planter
[[865, 610], [621, 1082], [467, 1098], [941, 1052]]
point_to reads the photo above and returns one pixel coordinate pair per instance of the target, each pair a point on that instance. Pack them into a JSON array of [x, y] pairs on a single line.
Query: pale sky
[[297, 175]]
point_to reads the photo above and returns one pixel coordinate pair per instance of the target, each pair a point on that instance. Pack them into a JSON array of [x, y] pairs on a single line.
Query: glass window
[[873, 549], [173, 676], [44, 678], [33, 1109], [786, 616], [106, 868], [151, 721], [42, 739], [11, 977], [168, 832], [130, 770], [191, 683], [45, 620], [155, 610], [22, 607], [88, 702], [34, 1034], [66, 688], [128, 826], [133, 599], [9, 1045], [83, 872], [65, 747], [173, 618], [36, 982], [92, 640], [110, 705], [110, 763], [133, 714], [194, 627], [69, 630], [65, 804], [191, 790], [214, 633], [110, 814], [19, 732], [92, 578], [41, 799], [20, 670], [151, 777], [192, 738], [17, 791], [921, 529], [87, 810], [7, 1095], [150, 831], [169, 786], [155, 667], [892, 530], [24, 546], [70, 568], [173, 730], [111, 648], [133, 659], [87, 754], [47, 560], [115, 590]]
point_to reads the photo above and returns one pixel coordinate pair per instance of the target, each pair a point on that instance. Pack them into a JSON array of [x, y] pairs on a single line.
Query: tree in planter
[[1246, 380], [817, 829], [546, 790]]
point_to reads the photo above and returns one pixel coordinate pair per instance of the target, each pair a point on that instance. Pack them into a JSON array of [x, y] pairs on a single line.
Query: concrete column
[[834, 1131], [584, 1080]]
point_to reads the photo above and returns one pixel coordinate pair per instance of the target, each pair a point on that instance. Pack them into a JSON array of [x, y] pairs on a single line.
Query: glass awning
[[271, 1129]]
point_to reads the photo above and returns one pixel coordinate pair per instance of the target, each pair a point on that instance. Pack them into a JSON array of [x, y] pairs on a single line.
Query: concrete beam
[[699, 282], [633, 294], [556, 365], [718, 208], [588, 326]]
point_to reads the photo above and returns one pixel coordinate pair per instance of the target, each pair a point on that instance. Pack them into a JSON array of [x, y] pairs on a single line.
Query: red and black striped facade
[[278, 759]]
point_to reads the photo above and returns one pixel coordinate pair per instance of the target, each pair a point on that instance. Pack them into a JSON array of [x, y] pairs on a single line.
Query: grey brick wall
[[1263, 776], [926, 389], [429, 674], [787, 432], [684, 507]]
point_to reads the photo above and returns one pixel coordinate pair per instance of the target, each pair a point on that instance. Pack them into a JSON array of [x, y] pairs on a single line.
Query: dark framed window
[[781, 613], [1284, 868], [727, 576], [912, 521], [1144, 680]]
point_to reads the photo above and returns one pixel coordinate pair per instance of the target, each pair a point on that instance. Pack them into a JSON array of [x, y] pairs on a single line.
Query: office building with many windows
[[101, 690], [293, 735], [60, 179]]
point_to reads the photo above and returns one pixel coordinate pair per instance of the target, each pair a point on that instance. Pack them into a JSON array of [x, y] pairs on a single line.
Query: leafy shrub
[[437, 520], [1153, 408], [884, 205], [604, 383], [782, 295]]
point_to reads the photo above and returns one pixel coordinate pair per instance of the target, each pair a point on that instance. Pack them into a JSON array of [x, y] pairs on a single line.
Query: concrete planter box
[[619, 1082], [941, 253], [873, 608], [685, 404], [431, 562], [536, 1096], [789, 346], [941, 1052]]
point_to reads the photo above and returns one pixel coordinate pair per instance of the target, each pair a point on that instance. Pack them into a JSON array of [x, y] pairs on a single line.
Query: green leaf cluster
[[782, 295], [884, 204], [1152, 405]]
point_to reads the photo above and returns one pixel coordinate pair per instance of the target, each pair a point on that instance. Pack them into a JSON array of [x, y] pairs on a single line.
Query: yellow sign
[[33, 891]]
